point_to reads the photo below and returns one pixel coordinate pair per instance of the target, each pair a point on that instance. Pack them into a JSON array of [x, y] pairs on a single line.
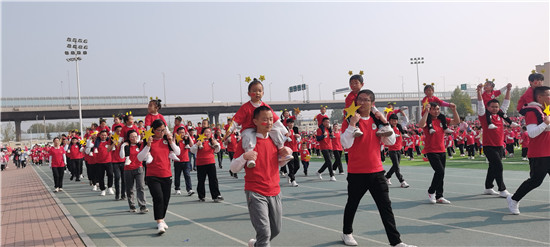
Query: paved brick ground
[[30, 215]]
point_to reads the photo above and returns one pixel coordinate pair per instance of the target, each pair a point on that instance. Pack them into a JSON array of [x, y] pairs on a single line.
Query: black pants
[[220, 157], [417, 150], [337, 161], [160, 192], [524, 152], [58, 176], [293, 166], [76, 167], [510, 148], [471, 151], [358, 185], [120, 186], [202, 172], [230, 155], [305, 164], [327, 164], [495, 168], [92, 170], [395, 157], [102, 169], [461, 147], [437, 161], [539, 168], [449, 151]]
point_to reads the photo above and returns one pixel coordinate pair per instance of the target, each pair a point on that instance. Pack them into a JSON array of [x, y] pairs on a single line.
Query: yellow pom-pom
[[533, 71], [361, 72], [350, 72], [424, 84], [247, 79], [262, 78], [130, 112]]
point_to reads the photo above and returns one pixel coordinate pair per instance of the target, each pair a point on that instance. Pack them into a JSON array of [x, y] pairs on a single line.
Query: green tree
[[462, 101], [337, 116], [8, 132]]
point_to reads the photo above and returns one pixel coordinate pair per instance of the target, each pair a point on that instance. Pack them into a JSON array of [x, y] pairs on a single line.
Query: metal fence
[[21, 102]]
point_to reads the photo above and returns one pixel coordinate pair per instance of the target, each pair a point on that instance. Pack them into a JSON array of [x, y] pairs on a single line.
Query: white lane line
[[117, 240], [417, 220], [307, 223]]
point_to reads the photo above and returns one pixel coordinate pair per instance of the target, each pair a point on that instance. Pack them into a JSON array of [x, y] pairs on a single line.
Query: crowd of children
[[133, 154]]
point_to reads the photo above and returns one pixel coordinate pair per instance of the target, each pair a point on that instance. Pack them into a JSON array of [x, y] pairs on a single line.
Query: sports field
[[313, 212]]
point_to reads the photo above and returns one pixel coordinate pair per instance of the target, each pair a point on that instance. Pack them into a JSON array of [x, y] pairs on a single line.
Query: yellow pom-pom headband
[[487, 80], [156, 98], [360, 72], [433, 84], [260, 78]]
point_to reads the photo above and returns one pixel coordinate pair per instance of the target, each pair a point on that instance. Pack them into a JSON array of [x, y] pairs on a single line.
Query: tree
[[8, 132], [462, 101], [337, 116]]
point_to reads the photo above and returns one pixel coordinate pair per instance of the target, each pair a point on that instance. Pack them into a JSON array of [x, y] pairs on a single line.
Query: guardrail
[[72, 102]]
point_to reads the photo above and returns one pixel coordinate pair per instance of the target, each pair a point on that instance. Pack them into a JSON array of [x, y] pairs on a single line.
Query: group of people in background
[[134, 154]]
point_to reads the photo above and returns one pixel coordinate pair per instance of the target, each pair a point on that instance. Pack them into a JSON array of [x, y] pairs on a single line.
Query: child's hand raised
[[479, 87]]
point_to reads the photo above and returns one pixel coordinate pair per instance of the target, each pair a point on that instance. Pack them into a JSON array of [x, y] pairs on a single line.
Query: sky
[[203, 45]]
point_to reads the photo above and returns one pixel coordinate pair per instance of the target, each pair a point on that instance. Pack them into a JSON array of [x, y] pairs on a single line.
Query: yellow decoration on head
[[350, 111], [262, 78], [546, 109], [361, 72], [533, 71], [147, 134], [350, 72], [247, 79]]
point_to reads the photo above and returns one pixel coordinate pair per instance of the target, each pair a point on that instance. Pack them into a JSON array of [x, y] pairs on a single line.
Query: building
[[544, 70]]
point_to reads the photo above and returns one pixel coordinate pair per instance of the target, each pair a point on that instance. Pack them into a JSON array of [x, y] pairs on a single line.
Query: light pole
[[62, 96], [241, 88], [444, 91], [417, 61], [78, 50], [144, 90], [212, 92], [164, 84], [320, 90], [270, 92]]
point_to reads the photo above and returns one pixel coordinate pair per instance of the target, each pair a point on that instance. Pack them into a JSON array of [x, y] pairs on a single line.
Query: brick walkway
[[30, 215]]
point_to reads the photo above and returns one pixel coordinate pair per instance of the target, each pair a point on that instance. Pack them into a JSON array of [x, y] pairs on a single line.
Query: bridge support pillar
[[18, 130]]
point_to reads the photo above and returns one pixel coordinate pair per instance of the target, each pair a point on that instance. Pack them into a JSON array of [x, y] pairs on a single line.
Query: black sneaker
[[143, 210], [123, 198], [77, 180], [201, 200], [72, 177]]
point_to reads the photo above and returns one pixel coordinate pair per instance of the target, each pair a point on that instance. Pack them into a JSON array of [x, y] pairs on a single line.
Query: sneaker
[[404, 184], [388, 181], [160, 229], [127, 161], [357, 133], [492, 126], [60, 189], [143, 210], [111, 191], [56, 190], [94, 188], [283, 174], [123, 198], [514, 125], [72, 177], [251, 242], [341, 173], [187, 146], [524, 158], [385, 130], [102, 193], [132, 210], [289, 182], [201, 200], [431, 198], [405, 135], [451, 157], [432, 131], [448, 131], [218, 199], [349, 240], [490, 192], [513, 205], [320, 176], [332, 179], [294, 184], [178, 192], [504, 194], [190, 193], [164, 225], [404, 245], [443, 201], [250, 163]]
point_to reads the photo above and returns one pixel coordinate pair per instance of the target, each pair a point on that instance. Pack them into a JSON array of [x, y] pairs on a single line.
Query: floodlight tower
[[78, 48]]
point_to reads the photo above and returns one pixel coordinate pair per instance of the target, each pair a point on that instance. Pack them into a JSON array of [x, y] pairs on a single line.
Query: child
[[320, 118], [153, 108], [470, 144], [535, 80], [429, 91], [243, 118], [489, 94], [292, 140], [524, 140], [305, 157], [128, 125], [355, 84]]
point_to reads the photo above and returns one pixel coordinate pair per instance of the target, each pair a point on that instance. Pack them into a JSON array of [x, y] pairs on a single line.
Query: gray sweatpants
[[137, 176], [266, 214]]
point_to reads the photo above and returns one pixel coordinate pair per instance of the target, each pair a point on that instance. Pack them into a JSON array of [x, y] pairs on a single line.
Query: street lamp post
[[77, 50], [416, 61], [164, 83], [212, 92], [270, 92], [241, 88], [144, 90], [320, 90]]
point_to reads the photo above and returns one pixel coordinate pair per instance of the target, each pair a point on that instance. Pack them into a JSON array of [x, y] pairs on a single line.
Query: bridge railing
[[22, 102]]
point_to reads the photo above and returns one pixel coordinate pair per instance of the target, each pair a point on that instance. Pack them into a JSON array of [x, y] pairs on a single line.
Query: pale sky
[[196, 44]]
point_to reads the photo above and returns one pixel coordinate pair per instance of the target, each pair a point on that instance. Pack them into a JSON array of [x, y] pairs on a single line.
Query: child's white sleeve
[[175, 148], [237, 164], [142, 155], [278, 134], [194, 148]]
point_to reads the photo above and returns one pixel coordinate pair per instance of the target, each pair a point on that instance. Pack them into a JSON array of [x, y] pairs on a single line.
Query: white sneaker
[[160, 229], [349, 240], [385, 130], [187, 146], [513, 205], [332, 178], [102, 193], [56, 190], [178, 192], [164, 225], [514, 125], [404, 184], [250, 163], [190, 193], [251, 242], [504, 194], [60, 189], [432, 131], [357, 133], [524, 159], [443, 201], [81, 177], [404, 245], [173, 156], [294, 184], [111, 191], [388, 181], [449, 131], [405, 136], [288, 179], [320, 176], [127, 161], [431, 198], [490, 192], [94, 188], [492, 126]]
